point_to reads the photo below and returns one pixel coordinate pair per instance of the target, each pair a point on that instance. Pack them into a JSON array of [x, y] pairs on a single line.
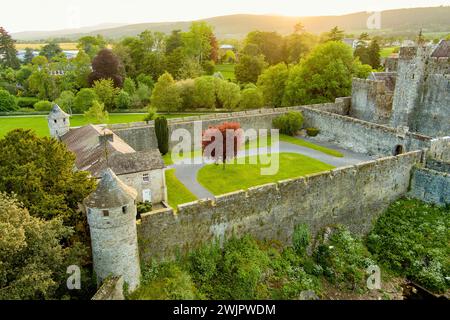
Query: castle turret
[[111, 213], [58, 122]]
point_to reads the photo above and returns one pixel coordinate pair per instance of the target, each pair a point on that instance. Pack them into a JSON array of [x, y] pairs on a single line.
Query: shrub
[[208, 67], [43, 105], [96, 113], [412, 238], [26, 102], [7, 101], [301, 238], [84, 100], [289, 123], [186, 89], [205, 92], [343, 258], [312, 132], [123, 100], [228, 94], [144, 207], [66, 100], [162, 134], [152, 112], [251, 98]]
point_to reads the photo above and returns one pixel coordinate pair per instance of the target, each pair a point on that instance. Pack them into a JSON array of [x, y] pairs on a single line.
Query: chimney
[[106, 135]]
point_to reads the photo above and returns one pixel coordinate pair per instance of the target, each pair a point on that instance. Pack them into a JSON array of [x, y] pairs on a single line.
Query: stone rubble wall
[[354, 134], [352, 195], [111, 289], [431, 186]]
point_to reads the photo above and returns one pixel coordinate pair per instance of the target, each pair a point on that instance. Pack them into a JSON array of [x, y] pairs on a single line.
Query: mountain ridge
[[409, 20]]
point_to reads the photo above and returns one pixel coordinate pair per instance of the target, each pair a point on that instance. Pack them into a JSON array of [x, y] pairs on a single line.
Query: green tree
[[272, 83], [28, 56], [165, 95], [82, 69], [66, 100], [129, 86], [91, 45], [334, 34], [41, 82], [228, 94], [197, 41], [269, 44], [374, 54], [84, 99], [186, 89], [205, 92], [174, 41], [251, 98], [50, 50], [34, 262], [249, 68], [96, 113], [162, 134], [8, 52], [123, 100], [40, 171], [324, 75], [7, 101], [106, 92]]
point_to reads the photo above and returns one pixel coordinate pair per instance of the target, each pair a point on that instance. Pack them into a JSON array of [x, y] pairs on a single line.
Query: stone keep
[[111, 213], [58, 122]]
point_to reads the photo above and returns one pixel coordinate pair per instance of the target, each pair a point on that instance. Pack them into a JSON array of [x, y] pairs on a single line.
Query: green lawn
[[242, 176], [386, 52], [227, 71], [197, 153], [177, 193], [39, 123], [310, 145]]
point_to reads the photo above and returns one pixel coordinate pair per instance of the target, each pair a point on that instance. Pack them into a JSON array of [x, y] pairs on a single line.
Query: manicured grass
[[177, 193], [307, 144], [242, 176], [386, 52], [39, 123], [227, 71]]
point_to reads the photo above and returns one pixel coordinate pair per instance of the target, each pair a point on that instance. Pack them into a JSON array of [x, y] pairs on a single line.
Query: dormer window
[[105, 213]]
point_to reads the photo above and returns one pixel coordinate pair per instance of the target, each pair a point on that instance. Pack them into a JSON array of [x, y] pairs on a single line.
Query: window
[[124, 209], [89, 210], [105, 213], [146, 177], [54, 120]]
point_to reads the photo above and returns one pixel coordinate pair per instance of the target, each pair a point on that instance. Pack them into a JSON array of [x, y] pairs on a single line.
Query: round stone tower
[[58, 122], [111, 214]]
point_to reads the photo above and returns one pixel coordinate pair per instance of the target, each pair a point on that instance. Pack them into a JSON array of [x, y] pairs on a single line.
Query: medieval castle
[[401, 118]]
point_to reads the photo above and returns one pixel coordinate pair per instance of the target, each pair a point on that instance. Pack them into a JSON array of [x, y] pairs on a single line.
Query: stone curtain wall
[[354, 134], [371, 101], [353, 196], [440, 149], [111, 289], [361, 136], [431, 186]]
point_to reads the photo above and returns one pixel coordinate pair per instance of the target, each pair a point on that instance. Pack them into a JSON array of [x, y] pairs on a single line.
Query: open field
[[243, 176], [38, 46], [39, 123], [227, 71]]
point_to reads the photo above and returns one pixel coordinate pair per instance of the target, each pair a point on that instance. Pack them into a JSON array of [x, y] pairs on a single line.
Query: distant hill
[[399, 21]]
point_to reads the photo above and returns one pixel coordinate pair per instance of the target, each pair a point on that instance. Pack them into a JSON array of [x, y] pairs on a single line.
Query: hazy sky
[[21, 15]]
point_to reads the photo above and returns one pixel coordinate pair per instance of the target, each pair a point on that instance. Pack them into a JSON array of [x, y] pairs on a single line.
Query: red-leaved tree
[[222, 142]]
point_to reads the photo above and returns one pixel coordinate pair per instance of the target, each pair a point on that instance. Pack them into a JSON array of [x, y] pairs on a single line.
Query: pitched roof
[[111, 192], [442, 50], [57, 113], [97, 148]]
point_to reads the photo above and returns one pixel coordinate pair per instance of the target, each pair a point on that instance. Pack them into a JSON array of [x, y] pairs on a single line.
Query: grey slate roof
[[110, 192], [95, 156], [57, 113]]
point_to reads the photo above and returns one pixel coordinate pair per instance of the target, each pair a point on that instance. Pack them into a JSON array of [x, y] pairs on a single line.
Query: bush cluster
[[289, 123]]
